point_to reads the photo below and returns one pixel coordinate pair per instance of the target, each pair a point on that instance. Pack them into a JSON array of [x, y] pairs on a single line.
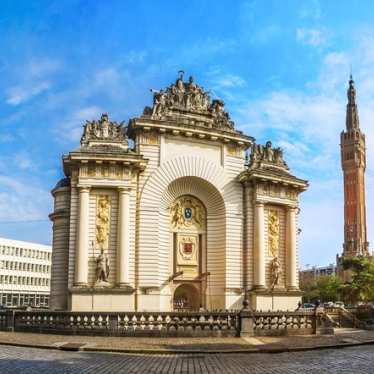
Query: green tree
[[324, 288], [328, 287], [360, 286]]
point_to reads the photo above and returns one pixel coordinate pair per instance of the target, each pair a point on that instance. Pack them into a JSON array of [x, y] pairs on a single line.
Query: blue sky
[[281, 67]]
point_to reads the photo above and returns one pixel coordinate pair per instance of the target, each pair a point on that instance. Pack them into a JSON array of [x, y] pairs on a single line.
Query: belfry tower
[[353, 158]]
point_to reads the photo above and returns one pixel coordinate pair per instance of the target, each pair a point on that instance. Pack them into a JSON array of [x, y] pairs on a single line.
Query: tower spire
[[352, 121], [353, 160]]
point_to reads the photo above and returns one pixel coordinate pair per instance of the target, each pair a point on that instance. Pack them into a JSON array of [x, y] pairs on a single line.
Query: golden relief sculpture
[[273, 232], [102, 221], [187, 212]]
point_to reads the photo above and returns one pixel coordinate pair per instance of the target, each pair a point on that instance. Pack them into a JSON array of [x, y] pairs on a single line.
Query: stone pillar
[[291, 233], [259, 247], [123, 247], [81, 251]]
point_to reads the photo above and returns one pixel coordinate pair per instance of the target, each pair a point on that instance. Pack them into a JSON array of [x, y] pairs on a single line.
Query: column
[[81, 252], [291, 232], [123, 247], [259, 247]]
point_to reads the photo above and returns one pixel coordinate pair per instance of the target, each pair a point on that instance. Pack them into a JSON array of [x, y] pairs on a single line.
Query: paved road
[[30, 360]]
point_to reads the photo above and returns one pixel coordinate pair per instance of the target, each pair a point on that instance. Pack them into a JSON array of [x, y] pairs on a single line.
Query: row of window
[[29, 281], [20, 299], [25, 266], [24, 252]]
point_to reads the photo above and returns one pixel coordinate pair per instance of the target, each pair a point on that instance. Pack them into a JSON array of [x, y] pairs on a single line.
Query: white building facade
[[181, 221], [25, 273]]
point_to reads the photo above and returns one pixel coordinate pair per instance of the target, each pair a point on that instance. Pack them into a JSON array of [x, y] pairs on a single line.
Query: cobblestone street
[[31, 360]]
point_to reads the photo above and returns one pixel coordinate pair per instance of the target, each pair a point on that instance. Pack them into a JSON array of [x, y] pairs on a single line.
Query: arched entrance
[[188, 249], [186, 297]]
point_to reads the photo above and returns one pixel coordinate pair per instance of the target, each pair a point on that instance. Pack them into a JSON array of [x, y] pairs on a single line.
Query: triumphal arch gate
[[189, 214]]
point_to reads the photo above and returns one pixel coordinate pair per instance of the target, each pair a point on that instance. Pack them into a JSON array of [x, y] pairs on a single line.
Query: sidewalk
[[342, 338]]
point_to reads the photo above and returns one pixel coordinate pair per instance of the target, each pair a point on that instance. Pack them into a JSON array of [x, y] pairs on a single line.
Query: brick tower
[[353, 158]]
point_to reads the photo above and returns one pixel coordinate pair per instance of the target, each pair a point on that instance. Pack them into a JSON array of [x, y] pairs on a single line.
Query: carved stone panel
[[187, 212], [273, 232], [187, 255], [102, 221]]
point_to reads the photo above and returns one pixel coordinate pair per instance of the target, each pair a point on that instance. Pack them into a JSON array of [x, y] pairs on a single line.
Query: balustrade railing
[[217, 323], [284, 323], [130, 323]]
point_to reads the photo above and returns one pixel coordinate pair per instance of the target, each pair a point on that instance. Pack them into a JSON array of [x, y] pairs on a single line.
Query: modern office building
[[315, 272], [25, 270]]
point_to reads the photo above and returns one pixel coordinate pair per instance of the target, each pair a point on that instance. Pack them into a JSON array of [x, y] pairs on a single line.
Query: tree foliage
[[360, 285], [325, 288]]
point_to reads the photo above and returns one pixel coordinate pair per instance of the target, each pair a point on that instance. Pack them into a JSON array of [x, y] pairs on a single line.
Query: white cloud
[[35, 80], [20, 94], [265, 34], [43, 67], [307, 124], [23, 161], [19, 199], [135, 57], [312, 37], [229, 81], [71, 129]]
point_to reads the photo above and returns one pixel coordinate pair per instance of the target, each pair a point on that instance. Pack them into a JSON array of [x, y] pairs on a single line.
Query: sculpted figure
[[273, 229], [102, 221], [278, 156], [159, 102], [275, 272], [257, 152], [102, 267], [269, 153], [205, 100], [177, 218], [104, 126]]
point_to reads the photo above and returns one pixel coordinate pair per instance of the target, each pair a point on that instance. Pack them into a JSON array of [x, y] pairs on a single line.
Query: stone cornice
[[188, 128], [60, 213], [259, 175], [128, 160]]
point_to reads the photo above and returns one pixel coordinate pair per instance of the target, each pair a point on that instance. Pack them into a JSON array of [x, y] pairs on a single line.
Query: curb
[[189, 351]]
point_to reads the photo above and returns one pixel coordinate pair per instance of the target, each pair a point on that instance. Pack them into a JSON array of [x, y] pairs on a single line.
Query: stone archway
[[186, 297], [206, 182]]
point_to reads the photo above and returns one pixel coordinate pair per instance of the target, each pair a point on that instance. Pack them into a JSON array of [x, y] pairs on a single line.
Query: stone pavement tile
[[354, 360], [183, 344]]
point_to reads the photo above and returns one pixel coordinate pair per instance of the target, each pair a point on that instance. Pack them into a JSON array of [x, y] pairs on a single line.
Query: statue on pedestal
[[275, 272], [102, 270]]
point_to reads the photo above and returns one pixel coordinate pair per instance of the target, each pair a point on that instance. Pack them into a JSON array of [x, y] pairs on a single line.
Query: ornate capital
[[83, 189], [124, 190]]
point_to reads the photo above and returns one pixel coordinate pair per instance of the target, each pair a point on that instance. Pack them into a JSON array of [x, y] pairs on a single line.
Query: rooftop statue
[[103, 130], [189, 97], [267, 155]]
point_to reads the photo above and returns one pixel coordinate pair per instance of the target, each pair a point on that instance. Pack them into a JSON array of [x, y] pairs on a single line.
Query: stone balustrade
[[127, 324], [183, 324], [284, 323]]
